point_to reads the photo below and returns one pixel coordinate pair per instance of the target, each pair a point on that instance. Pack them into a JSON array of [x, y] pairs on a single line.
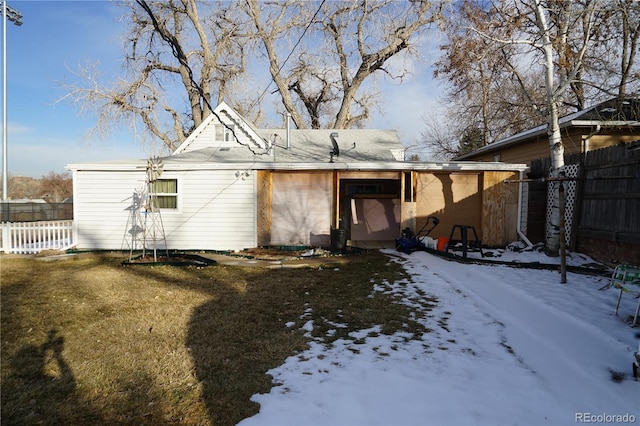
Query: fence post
[[6, 237], [74, 232], [563, 242]]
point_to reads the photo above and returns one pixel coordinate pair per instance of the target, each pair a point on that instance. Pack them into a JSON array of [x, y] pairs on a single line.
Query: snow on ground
[[508, 346]]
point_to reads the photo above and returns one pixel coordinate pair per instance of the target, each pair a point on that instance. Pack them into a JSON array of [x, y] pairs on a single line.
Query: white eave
[[461, 166]]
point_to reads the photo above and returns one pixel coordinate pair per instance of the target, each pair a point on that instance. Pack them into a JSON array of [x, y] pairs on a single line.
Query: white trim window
[[224, 133], [166, 191]]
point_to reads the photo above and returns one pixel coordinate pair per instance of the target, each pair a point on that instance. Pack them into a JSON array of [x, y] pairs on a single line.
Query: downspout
[[519, 221]]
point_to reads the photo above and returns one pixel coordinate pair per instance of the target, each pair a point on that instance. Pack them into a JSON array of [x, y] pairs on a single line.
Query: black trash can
[[338, 239]]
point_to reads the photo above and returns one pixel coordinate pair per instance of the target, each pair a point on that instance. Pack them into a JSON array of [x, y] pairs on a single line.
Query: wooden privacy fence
[[606, 203], [33, 237]]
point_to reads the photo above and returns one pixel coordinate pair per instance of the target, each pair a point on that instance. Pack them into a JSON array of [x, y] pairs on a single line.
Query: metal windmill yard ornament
[[153, 232], [133, 237]]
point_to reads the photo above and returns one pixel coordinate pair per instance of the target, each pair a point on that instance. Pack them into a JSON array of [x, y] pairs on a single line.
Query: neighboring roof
[[611, 113], [26, 201]]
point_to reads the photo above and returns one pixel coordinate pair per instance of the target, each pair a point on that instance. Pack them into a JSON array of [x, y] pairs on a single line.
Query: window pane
[[167, 202], [228, 133], [167, 190], [166, 186], [219, 132]]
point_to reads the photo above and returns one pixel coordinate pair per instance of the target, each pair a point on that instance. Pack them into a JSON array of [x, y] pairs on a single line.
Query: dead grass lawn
[[87, 341]]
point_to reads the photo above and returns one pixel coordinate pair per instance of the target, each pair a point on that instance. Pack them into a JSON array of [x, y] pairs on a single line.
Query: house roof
[[253, 144], [612, 113], [306, 146], [271, 149]]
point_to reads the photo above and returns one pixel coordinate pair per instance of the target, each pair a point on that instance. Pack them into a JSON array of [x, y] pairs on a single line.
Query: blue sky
[[57, 36]]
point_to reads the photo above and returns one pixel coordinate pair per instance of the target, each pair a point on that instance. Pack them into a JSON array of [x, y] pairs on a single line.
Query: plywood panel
[[375, 219], [408, 205], [301, 208], [454, 198], [264, 187], [499, 209]]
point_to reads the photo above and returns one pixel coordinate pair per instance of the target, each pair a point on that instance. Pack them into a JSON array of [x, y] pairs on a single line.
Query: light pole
[[15, 17]]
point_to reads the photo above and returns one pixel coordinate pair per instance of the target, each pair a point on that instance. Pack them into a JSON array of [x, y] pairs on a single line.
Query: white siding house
[[215, 208], [215, 203], [231, 186]]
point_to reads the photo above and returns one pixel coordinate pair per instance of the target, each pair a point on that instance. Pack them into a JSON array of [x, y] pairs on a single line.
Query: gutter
[[398, 166], [519, 221]]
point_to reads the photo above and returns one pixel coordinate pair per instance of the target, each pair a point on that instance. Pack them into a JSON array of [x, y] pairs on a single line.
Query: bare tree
[[495, 85], [450, 136], [184, 55], [629, 13], [612, 59], [535, 37], [441, 137], [23, 187], [346, 44], [492, 85], [55, 187], [176, 54], [554, 42]]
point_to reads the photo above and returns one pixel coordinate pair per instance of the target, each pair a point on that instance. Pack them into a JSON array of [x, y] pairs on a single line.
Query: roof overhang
[[542, 129], [451, 166]]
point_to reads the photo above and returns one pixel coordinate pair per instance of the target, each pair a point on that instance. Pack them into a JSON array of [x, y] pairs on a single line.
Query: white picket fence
[[33, 237]]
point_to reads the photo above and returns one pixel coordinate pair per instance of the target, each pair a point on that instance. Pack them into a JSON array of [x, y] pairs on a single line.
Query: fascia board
[[292, 166]]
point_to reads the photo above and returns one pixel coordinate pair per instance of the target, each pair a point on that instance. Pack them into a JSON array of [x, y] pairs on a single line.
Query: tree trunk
[[556, 149]]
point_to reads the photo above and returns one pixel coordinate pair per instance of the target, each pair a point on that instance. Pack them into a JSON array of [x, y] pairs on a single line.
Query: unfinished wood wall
[[499, 209], [301, 205], [263, 224], [454, 198]]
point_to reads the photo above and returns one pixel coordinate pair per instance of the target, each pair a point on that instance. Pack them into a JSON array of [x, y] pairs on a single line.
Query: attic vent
[[225, 149]]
